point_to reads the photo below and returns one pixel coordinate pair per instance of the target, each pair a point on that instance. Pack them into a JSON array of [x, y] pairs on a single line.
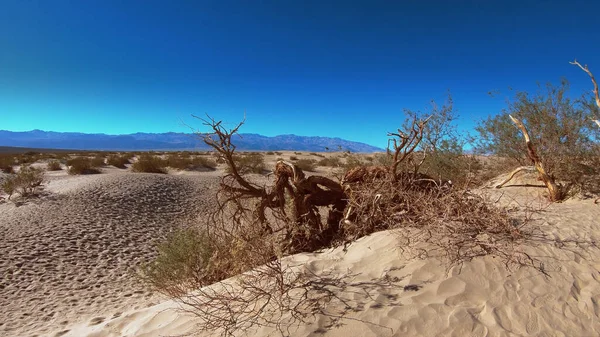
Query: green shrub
[[181, 261], [26, 182], [98, 161], [118, 161], [306, 164], [54, 165], [249, 163], [6, 163], [81, 165], [148, 163]]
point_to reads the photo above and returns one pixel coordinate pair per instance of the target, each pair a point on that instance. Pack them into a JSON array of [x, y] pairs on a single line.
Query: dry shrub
[[118, 161], [179, 162], [306, 164], [293, 158], [98, 160], [81, 165], [255, 226], [333, 161], [6, 163], [270, 153], [27, 182], [249, 163], [53, 165], [148, 163]]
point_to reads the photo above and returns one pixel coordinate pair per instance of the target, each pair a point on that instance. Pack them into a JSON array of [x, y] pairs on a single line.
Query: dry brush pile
[[256, 225]]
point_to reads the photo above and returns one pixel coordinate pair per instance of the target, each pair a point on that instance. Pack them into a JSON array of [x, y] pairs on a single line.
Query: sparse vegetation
[[6, 163], [118, 161], [306, 164], [27, 182], [561, 138], [81, 165], [149, 163], [254, 226], [53, 165], [249, 163], [332, 161]]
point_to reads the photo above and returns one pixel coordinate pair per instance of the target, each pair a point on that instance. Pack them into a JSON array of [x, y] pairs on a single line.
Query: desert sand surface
[[481, 298], [69, 258], [71, 253]]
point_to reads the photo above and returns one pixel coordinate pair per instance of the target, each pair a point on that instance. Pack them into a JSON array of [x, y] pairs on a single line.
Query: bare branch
[[585, 68]]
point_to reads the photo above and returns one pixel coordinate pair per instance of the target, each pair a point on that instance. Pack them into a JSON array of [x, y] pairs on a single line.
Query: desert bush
[[248, 163], [98, 160], [293, 158], [332, 161], [118, 161], [254, 226], [182, 260], [352, 161], [560, 131], [270, 153], [199, 162], [6, 163], [81, 165], [306, 164], [53, 165], [27, 181], [149, 163]]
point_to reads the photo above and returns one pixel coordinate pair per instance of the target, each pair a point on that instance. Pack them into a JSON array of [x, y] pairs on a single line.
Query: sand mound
[[72, 252], [480, 298]]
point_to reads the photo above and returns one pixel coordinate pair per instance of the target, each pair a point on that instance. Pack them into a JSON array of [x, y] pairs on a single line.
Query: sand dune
[[71, 253], [70, 256], [483, 298]]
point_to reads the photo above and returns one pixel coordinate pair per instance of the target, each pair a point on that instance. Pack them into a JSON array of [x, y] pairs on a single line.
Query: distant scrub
[[148, 163], [6, 163], [118, 161], [187, 162], [249, 163], [331, 162], [81, 165], [306, 164], [53, 165]]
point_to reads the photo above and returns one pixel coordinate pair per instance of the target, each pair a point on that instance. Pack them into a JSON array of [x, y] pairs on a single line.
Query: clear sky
[[317, 68]]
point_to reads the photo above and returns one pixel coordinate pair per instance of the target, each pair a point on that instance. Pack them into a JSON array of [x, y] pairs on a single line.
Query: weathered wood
[[555, 190]]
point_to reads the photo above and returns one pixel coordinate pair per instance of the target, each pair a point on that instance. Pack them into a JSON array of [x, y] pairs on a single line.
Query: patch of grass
[[81, 165], [148, 163], [53, 165]]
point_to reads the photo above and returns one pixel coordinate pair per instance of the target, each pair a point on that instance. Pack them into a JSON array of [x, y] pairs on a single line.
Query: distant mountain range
[[173, 141]]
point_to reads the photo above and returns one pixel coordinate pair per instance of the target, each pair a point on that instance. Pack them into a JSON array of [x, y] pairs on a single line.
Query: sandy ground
[[71, 254], [68, 260]]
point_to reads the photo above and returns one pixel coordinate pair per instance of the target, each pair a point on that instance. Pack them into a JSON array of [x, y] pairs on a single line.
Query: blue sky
[[328, 68]]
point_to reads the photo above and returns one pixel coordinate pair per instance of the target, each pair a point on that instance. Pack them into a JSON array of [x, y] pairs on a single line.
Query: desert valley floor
[[69, 260]]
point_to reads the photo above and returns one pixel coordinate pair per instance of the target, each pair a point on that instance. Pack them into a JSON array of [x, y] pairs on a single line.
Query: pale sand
[[482, 298], [72, 253]]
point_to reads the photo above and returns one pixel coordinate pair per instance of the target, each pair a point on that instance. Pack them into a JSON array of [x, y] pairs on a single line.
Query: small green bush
[[118, 161], [81, 165], [54, 165], [249, 163], [98, 161], [181, 261], [148, 163], [6, 163], [26, 182]]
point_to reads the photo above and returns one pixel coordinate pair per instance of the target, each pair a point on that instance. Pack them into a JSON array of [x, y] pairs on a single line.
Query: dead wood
[[555, 190], [514, 172]]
